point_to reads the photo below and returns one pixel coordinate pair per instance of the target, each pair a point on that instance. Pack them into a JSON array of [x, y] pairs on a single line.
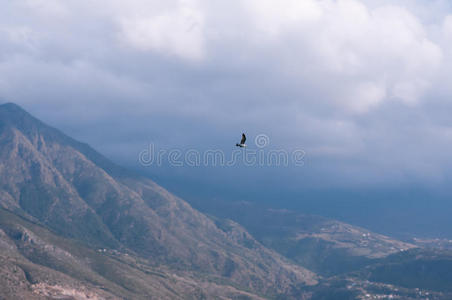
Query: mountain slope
[[51, 179], [37, 264], [325, 246], [411, 274]]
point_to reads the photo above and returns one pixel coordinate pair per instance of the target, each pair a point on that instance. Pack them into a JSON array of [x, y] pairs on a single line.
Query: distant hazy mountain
[[325, 246]]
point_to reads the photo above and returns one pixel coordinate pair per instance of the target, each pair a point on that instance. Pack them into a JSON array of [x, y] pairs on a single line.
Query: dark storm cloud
[[359, 85]]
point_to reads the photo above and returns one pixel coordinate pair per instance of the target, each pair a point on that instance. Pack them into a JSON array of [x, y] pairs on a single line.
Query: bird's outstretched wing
[[243, 139]]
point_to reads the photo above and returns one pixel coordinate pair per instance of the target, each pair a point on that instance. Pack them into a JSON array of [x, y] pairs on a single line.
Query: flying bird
[[242, 142]]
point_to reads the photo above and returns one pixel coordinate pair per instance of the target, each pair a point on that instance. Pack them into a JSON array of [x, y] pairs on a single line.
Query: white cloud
[[447, 27], [47, 8], [275, 19], [364, 96], [385, 45], [176, 32]]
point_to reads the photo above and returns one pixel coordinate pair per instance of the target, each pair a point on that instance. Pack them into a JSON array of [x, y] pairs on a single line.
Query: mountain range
[[74, 225]]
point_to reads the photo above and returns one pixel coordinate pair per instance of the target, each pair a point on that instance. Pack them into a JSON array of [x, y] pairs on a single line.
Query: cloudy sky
[[362, 86]]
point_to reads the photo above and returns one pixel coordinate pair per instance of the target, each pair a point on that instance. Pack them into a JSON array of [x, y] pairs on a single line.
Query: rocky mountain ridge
[[49, 178]]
